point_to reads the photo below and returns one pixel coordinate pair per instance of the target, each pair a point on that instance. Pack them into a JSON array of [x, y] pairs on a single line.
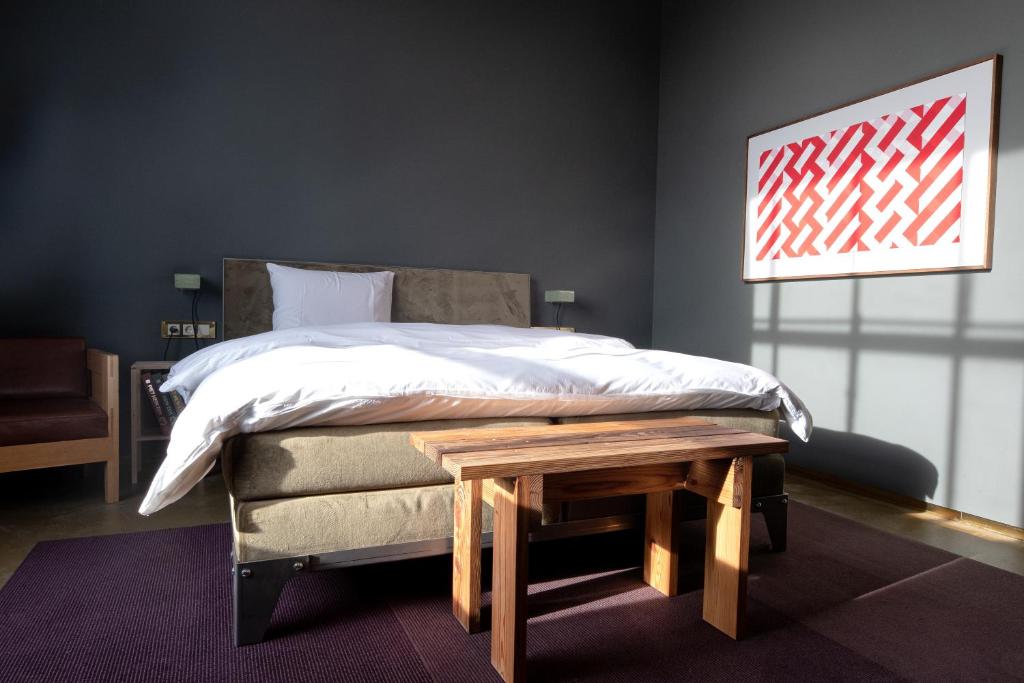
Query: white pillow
[[321, 297]]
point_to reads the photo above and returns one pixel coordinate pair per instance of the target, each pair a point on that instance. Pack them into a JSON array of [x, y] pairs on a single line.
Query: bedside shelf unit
[[144, 425]]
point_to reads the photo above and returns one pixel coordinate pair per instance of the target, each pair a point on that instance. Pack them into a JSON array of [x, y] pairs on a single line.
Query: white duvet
[[370, 373]]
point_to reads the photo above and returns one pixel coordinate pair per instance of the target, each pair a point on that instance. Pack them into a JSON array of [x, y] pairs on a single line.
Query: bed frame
[[419, 295]]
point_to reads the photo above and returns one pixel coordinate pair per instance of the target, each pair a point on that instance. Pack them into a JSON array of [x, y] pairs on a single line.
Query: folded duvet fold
[[371, 373]]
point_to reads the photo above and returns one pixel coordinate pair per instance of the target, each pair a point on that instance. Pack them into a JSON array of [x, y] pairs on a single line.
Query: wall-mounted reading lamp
[[559, 297], [185, 282]]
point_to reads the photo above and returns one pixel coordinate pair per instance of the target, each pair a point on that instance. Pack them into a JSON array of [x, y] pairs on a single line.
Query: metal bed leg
[[257, 587], [776, 513]]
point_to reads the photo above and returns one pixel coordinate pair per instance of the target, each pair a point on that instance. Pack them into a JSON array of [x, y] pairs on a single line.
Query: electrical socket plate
[[182, 329]]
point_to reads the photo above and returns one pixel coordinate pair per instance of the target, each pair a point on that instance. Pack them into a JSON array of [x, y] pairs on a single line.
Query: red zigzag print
[[890, 183]]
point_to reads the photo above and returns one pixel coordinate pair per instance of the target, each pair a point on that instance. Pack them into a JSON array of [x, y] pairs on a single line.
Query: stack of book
[[166, 406]]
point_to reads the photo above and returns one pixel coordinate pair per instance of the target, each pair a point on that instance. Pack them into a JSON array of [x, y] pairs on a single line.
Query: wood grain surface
[[434, 444], [508, 597], [576, 457]]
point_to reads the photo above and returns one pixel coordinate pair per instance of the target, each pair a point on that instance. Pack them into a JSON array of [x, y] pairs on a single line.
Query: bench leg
[[466, 554], [508, 597], [661, 560], [727, 552]]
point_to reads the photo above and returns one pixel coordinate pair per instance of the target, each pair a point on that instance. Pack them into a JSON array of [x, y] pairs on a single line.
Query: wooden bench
[[518, 469]]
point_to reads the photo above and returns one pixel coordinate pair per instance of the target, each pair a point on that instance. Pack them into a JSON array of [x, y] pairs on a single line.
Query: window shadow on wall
[[916, 384], [857, 457]]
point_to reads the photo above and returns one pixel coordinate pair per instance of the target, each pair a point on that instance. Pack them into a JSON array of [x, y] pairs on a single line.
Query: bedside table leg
[[135, 461], [136, 416]]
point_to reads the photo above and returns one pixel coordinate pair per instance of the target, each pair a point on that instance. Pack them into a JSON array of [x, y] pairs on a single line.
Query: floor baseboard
[[906, 501]]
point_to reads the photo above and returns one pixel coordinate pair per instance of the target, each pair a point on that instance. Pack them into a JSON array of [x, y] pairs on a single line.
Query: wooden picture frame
[[899, 182]]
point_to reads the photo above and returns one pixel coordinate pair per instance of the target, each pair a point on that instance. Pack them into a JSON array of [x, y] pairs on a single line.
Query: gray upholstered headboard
[[427, 295]]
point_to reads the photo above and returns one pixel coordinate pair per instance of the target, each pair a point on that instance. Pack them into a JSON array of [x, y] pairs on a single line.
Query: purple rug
[[845, 602]]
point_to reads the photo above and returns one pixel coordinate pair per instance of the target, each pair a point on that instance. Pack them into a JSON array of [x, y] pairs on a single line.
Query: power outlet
[[182, 329]]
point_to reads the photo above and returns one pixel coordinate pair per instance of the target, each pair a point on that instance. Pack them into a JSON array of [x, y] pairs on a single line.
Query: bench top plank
[[438, 451], [435, 444], [546, 449]]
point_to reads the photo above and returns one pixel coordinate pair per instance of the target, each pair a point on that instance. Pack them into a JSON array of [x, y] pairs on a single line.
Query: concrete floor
[[68, 502]]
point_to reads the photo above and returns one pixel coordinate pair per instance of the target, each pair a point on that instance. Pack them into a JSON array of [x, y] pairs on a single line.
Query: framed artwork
[[900, 182]]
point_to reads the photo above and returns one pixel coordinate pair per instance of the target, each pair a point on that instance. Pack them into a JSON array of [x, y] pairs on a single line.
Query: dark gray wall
[[143, 138], [917, 383]]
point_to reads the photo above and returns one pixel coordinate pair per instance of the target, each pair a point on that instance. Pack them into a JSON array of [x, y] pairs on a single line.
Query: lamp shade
[[187, 280], [560, 296]]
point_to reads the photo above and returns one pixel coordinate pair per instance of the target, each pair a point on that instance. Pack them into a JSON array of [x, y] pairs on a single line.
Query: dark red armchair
[[58, 406]]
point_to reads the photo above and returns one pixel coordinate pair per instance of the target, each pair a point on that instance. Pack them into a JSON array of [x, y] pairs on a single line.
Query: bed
[[318, 496]]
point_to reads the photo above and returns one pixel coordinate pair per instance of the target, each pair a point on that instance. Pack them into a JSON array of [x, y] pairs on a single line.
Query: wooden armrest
[[95, 356], [103, 375]]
